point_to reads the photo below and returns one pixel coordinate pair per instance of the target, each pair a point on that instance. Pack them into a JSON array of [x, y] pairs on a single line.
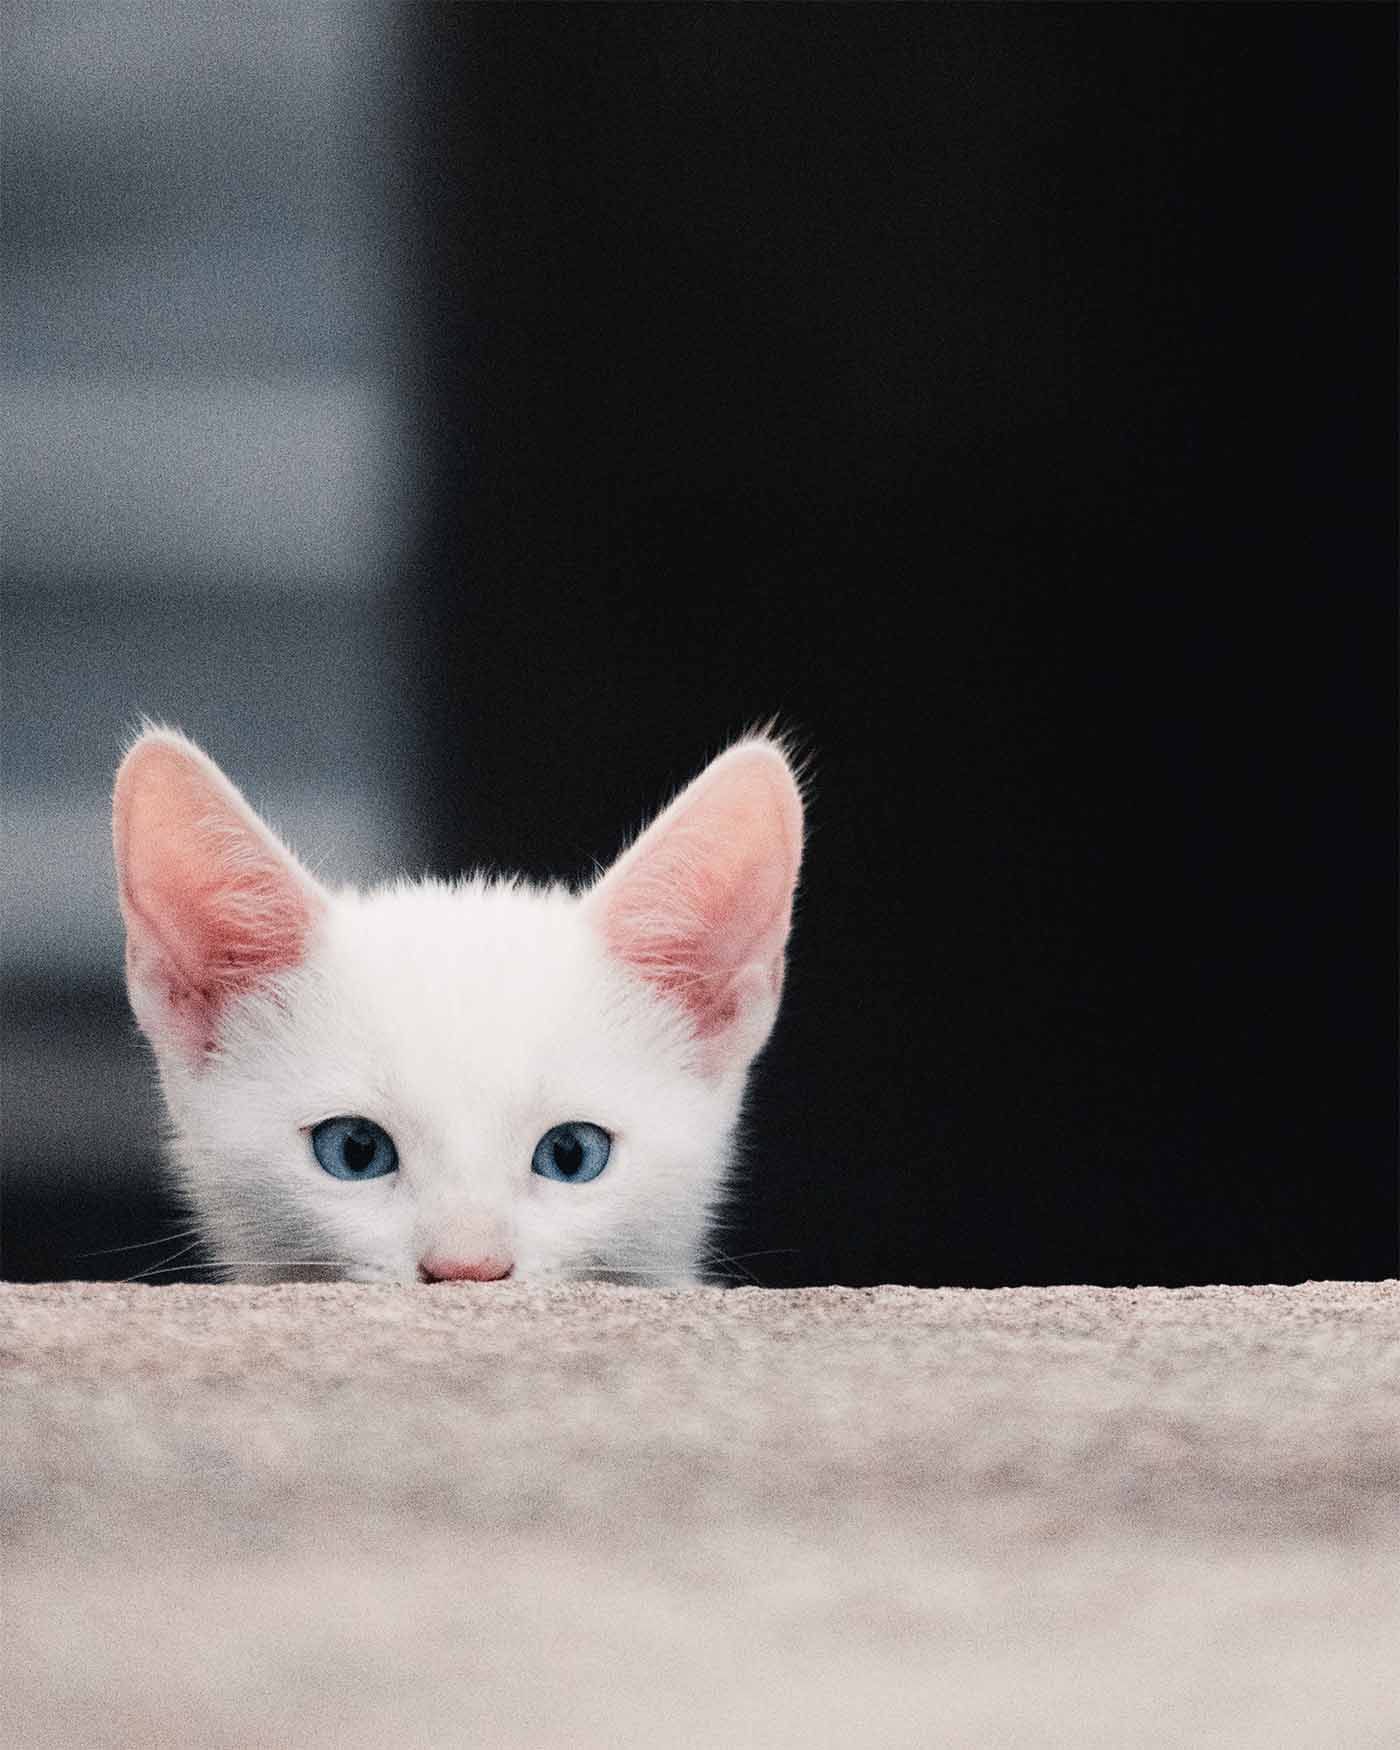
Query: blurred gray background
[[208, 496]]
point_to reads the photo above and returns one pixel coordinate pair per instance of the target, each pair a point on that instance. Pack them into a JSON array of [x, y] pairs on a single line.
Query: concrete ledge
[[503, 1516]]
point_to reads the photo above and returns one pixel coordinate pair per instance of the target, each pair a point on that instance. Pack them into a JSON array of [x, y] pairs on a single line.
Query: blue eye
[[572, 1153], [354, 1148]]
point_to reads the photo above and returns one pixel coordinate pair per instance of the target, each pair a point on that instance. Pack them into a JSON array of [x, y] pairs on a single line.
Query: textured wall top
[[342, 1515]]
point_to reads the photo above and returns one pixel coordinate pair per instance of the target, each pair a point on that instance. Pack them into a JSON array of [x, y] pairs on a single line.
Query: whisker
[[136, 1245], [767, 1252], [616, 1269], [725, 1267], [168, 1263], [722, 1260], [248, 1264], [737, 1258]]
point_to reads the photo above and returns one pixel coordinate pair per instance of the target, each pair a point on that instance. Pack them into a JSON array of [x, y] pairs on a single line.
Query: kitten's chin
[[275, 1275]]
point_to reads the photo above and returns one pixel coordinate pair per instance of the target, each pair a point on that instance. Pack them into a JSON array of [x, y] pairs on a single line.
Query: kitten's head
[[464, 1081]]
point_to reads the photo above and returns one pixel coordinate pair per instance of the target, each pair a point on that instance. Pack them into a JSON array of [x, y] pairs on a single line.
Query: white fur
[[466, 1019]]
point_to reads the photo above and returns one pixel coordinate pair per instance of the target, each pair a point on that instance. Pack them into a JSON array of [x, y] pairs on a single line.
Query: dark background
[[1003, 398]]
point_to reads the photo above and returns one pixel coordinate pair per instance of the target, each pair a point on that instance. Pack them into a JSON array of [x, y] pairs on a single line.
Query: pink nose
[[488, 1269]]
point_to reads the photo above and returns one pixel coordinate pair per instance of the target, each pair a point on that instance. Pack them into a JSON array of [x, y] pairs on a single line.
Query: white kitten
[[440, 1081]]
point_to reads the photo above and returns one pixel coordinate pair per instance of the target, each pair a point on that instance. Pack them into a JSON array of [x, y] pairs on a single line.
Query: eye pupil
[[358, 1151], [568, 1155]]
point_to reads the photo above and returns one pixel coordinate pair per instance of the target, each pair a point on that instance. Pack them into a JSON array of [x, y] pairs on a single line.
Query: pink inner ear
[[212, 902], [705, 896]]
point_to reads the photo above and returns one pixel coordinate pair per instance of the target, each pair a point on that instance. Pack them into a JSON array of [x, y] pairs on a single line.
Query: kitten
[[454, 1081]]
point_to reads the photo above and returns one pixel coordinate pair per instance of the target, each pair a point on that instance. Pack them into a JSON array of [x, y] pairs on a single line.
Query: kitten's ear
[[701, 905], [213, 901]]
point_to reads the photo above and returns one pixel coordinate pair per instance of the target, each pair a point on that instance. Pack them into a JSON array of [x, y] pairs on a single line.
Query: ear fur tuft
[[701, 905], [213, 901]]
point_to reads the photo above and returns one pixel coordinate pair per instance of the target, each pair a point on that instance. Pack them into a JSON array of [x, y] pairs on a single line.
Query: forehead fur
[[478, 994]]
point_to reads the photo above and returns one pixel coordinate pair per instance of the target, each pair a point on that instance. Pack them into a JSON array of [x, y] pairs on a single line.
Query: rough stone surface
[[343, 1516]]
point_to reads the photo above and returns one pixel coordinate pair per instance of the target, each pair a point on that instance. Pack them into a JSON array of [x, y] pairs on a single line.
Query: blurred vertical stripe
[[207, 497]]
